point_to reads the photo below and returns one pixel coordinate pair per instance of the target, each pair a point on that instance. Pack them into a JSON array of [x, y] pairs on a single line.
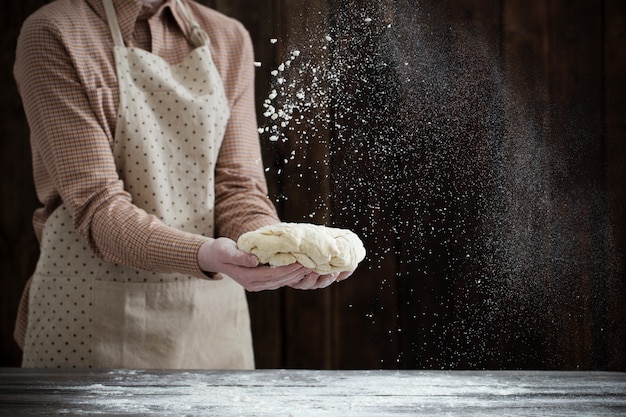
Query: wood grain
[[537, 88], [314, 393]]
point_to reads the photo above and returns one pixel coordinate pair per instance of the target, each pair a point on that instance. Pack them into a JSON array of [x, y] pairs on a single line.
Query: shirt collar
[[129, 11]]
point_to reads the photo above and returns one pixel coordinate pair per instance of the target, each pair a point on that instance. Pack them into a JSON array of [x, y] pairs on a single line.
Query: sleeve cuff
[[177, 251]]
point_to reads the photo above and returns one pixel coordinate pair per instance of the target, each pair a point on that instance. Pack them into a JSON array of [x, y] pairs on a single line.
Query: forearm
[[71, 137]]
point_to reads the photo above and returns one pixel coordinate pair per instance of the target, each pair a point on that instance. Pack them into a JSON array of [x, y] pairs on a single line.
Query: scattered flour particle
[[257, 64], [368, 19], [273, 40]]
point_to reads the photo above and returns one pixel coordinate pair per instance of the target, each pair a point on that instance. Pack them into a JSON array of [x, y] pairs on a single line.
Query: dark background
[[477, 147]]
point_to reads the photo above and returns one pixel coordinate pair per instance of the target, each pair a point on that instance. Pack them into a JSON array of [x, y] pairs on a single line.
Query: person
[[147, 162]]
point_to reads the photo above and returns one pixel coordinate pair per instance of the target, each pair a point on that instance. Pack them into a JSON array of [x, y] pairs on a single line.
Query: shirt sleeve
[[241, 202], [75, 150]]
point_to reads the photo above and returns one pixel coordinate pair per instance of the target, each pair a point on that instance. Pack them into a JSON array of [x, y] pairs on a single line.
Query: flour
[[436, 159]]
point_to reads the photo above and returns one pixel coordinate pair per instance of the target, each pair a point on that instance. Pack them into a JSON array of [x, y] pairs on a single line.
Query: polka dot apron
[[85, 312]]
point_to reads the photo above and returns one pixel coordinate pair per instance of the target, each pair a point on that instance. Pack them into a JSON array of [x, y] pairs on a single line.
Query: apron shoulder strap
[[196, 35], [113, 23]]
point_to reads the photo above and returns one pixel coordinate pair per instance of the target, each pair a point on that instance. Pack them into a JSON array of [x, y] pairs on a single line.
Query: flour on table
[[321, 248]]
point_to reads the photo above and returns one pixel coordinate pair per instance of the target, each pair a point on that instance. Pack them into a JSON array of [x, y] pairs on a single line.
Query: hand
[[222, 255], [314, 280]]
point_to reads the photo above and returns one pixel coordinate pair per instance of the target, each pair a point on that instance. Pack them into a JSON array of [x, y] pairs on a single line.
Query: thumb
[[251, 261], [241, 258]]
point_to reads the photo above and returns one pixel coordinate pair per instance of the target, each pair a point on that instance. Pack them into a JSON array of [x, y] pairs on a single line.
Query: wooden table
[[296, 393]]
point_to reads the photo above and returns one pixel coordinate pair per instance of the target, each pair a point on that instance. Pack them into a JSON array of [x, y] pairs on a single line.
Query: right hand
[[222, 255]]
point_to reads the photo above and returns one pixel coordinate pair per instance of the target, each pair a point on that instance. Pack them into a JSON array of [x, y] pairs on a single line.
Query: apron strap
[[113, 23], [196, 35]]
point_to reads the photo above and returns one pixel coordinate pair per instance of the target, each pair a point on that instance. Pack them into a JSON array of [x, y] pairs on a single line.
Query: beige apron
[[85, 312]]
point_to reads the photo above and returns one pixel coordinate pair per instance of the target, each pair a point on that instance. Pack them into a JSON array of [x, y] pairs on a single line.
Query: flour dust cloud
[[474, 214]]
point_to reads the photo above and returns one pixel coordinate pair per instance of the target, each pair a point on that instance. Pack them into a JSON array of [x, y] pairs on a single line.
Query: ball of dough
[[321, 248]]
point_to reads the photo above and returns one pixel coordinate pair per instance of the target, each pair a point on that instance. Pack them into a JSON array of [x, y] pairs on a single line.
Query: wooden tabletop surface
[[299, 393]]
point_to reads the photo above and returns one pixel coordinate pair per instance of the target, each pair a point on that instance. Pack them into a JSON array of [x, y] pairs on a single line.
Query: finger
[[317, 281], [287, 272], [247, 260], [244, 259], [326, 280], [344, 275], [273, 278], [308, 282], [232, 255], [301, 278]]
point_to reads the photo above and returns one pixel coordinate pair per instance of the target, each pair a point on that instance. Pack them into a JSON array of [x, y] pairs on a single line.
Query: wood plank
[[576, 143], [401, 309], [615, 173], [319, 393], [300, 165], [477, 287], [266, 309], [19, 248], [365, 194], [576, 221], [447, 63], [554, 62], [530, 342], [447, 282]]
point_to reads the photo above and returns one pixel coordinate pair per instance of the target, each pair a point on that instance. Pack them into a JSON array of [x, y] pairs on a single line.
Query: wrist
[[205, 258]]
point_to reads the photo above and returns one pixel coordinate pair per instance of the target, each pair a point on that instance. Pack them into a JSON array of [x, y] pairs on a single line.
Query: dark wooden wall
[[477, 147]]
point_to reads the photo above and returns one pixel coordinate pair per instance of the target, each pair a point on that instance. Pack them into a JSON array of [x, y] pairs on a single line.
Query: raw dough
[[321, 248]]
